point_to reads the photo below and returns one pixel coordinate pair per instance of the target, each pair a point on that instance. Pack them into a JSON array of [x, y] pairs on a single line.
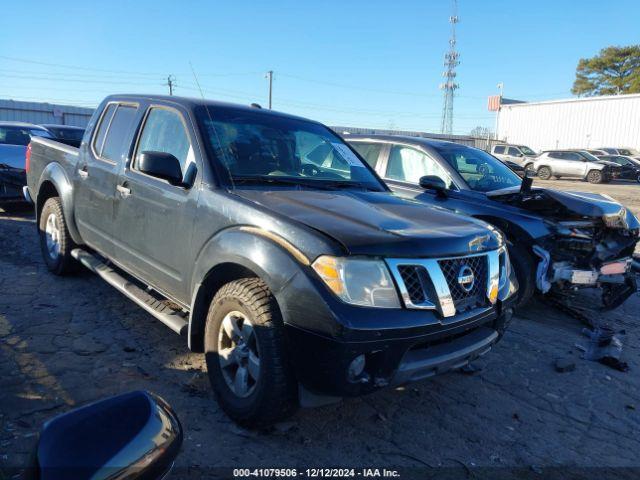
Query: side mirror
[[433, 182], [135, 435], [161, 165]]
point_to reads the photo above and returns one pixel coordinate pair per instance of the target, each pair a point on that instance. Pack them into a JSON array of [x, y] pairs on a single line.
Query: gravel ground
[[67, 341]]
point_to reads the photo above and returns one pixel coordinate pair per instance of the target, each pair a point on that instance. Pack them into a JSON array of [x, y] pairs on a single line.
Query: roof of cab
[[65, 127], [190, 103], [432, 142]]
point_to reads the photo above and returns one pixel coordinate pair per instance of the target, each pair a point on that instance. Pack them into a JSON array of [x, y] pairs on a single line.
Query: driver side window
[[408, 165], [164, 131]]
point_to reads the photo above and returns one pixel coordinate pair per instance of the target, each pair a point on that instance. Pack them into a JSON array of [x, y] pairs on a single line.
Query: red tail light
[[27, 158]]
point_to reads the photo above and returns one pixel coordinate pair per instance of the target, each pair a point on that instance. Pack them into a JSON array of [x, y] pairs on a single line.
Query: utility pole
[[449, 86], [501, 89], [171, 82], [269, 75]]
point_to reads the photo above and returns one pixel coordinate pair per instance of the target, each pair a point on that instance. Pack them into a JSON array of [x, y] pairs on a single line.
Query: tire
[[544, 173], [55, 242], [638, 179], [524, 266], [595, 176], [252, 402]]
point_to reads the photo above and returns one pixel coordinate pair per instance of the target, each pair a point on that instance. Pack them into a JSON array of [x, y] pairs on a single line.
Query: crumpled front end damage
[[590, 242]]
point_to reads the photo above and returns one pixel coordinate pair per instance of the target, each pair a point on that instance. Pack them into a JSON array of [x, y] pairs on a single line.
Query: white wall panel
[[611, 121]]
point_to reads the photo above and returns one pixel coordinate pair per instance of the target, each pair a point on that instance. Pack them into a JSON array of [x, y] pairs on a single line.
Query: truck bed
[[45, 151]]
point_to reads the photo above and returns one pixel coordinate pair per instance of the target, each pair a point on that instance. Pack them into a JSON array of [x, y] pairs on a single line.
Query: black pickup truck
[[273, 247]]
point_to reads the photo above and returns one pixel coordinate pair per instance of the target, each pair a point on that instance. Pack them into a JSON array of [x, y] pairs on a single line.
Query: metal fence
[[38, 112], [477, 142]]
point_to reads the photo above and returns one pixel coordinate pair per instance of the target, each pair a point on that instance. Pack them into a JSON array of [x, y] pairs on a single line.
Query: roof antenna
[[206, 107]]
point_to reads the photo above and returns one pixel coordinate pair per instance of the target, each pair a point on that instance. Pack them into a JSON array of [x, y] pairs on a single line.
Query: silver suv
[[519, 154], [573, 163]]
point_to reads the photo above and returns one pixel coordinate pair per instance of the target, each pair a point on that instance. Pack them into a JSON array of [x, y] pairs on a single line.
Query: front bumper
[[616, 278], [397, 356]]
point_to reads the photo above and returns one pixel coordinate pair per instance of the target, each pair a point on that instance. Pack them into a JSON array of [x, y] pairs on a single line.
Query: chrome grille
[[433, 284], [414, 281], [462, 299]]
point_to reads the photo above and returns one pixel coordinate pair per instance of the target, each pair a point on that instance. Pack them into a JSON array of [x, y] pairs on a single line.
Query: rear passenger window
[[98, 140], [408, 165], [369, 151], [555, 155], [164, 131], [498, 150], [117, 142]]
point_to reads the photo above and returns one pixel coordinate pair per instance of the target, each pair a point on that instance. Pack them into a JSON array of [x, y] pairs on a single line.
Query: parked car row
[[595, 166], [14, 138], [278, 251]]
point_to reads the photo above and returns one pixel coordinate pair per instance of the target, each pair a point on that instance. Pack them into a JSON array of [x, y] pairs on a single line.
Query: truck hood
[[566, 205], [12, 156], [379, 223]]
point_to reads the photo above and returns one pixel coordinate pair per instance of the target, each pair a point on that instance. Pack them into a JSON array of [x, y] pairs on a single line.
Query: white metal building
[[592, 122], [36, 112]]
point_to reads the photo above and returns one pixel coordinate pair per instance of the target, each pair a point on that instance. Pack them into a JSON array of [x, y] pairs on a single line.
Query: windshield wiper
[[299, 181], [338, 185]]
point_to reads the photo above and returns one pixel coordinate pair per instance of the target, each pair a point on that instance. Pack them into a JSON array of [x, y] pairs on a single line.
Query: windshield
[[481, 171], [621, 160], [258, 147], [526, 150], [589, 157], [627, 151]]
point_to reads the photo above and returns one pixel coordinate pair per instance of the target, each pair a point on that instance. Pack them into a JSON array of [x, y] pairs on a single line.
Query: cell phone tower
[[449, 86]]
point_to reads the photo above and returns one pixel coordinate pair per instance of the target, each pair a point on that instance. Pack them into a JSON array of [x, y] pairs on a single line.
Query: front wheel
[[595, 176], [524, 266], [245, 354], [544, 173], [55, 241]]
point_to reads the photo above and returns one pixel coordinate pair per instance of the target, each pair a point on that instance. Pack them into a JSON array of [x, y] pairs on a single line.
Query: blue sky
[[357, 63]]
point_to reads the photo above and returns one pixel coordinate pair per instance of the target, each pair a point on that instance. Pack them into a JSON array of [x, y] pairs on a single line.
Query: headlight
[[358, 281], [507, 283]]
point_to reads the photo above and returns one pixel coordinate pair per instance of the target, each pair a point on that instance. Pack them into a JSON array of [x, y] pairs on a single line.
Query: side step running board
[[171, 318]]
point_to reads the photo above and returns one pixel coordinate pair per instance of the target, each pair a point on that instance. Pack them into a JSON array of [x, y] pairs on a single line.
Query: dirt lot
[[66, 341]]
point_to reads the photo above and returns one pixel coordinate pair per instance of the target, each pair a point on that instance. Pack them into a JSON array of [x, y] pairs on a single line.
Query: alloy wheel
[[52, 236], [238, 354]]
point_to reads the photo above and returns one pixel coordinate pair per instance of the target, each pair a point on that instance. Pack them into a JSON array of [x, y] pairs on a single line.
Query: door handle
[[124, 191], [82, 171]]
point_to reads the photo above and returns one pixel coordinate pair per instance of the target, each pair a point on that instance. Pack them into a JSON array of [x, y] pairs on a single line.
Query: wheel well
[[47, 191], [214, 280]]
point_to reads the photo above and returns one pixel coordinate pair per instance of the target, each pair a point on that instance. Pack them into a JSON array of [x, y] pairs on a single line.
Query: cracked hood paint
[[378, 223]]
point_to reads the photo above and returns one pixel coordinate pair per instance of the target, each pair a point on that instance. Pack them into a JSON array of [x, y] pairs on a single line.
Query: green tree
[[613, 71]]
